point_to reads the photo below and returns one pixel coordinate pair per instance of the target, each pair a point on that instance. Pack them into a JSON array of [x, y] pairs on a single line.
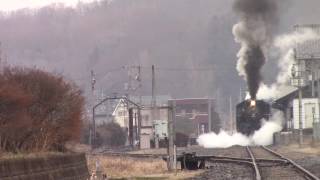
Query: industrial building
[[289, 105], [193, 117], [301, 105]]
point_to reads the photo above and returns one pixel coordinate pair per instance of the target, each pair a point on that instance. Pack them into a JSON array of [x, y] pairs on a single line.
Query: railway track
[[278, 166], [259, 163], [240, 163]]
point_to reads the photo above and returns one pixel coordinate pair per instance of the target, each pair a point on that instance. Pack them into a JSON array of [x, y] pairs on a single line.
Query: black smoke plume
[[255, 61], [258, 19]]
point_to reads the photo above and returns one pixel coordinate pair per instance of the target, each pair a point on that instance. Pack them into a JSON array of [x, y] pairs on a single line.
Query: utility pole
[[140, 103], [316, 124], [134, 87], [300, 115], [154, 105], [218, 104], [93, 81], [230, 114], [313, 79], [93, 127], [209, 115], [300, 99], [171, 136], [296, 73]]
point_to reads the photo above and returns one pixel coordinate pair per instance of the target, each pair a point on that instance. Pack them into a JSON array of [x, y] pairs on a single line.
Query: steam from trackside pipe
[[258, 18]]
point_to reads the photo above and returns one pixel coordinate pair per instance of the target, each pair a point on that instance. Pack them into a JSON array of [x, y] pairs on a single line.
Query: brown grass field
[[134, 168]]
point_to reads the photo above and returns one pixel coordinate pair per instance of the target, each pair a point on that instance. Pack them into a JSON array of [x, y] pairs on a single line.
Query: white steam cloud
[[285, 45], [263, 136]]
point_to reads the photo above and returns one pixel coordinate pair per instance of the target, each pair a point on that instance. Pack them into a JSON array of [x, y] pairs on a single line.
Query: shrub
[[38, 111], [111, 134]]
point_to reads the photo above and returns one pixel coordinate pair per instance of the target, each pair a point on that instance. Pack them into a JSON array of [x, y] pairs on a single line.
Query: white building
[[150, 118], [309, 112], [120, 114]]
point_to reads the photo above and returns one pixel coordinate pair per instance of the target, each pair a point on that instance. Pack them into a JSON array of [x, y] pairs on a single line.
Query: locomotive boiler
[[249, 114]]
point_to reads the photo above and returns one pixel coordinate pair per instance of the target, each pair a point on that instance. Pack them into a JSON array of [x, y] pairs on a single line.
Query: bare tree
[[39, 111]]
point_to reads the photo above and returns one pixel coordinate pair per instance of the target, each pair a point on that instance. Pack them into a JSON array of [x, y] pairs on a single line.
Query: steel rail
[[243, 159], [132, 155], [230, 161], [256, 169], [300, 168]]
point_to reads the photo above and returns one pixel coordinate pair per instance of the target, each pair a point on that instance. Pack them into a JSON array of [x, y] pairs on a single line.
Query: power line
[[175, 68], [108, 71], [99, 75], [185, 69]]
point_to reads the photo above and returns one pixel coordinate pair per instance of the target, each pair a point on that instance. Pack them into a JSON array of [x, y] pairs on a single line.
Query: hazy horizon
[[190, 43]]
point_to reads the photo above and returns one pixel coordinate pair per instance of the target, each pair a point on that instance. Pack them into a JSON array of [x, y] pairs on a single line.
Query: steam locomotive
[[249, 114]]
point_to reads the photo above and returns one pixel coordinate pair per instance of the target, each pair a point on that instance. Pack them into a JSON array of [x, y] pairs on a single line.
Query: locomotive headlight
[[252, 103]]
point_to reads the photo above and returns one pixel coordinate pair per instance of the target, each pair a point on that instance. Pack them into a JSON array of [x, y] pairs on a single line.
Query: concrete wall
[[283, 138], [50, 167]]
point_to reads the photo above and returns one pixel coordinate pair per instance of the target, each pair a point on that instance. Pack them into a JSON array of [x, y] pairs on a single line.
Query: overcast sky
[[9, 5]]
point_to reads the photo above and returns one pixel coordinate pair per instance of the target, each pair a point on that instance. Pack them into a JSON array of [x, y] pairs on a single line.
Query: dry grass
[[77, 147], [120, 167], [137, 169], [179, 175], [150, 151], [305, 149], [8, 155]]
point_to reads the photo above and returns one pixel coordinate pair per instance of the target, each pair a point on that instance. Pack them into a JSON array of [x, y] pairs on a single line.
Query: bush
[[38, 111], [111, 134]]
